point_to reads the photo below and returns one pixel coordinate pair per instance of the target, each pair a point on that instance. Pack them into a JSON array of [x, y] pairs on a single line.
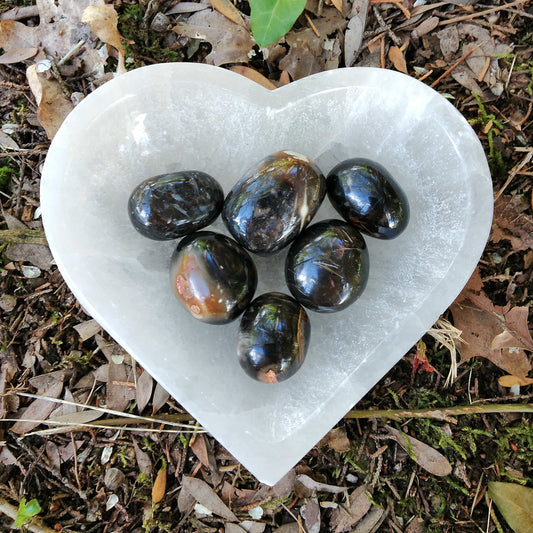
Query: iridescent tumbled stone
[[274, 201], [273, 337], [327, 266], [365, 194], [212, 276], [172, 205]]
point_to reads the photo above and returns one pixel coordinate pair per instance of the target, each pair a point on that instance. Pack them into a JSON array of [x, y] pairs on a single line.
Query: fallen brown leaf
[[201, 492], [160, 485], [500, 334], [511, 381], [228, 10], [397, 58], [346, 517], [231, 43], [54, 106], [512, 222], [253, 75], [143, 390], [103, 21], [49, 385], [310, 512], [426, 456]]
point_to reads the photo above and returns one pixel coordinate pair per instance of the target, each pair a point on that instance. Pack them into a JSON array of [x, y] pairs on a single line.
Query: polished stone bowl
[[172, 117]]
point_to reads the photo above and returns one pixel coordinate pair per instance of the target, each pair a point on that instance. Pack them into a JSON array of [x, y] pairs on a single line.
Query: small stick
[[22, 236], [481, 13], [426, 75], [483, 73], [396, 3], [514, 172], [441, 413], [455, 65], [313, 27]]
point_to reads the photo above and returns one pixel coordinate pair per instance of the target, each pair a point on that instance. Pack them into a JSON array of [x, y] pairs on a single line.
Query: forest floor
[[370, 473]]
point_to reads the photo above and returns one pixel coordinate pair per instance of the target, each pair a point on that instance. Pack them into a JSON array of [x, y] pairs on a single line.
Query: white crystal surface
[[173, 117]]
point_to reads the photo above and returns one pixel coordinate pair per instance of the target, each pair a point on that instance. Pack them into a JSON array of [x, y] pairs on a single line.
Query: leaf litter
[[45, 333]]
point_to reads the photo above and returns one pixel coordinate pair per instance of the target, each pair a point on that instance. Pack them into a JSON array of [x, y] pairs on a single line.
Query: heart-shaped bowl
[[171, 117]]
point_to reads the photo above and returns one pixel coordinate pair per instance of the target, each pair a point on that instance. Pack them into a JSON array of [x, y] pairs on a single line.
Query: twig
[[481, 13], [442, 413], [11, 511], [514, 172], [137, 418], [22, 236], [313, 27], [381, 21], [455, 65]]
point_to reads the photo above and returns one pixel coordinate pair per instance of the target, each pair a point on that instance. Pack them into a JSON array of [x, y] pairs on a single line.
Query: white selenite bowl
[[183, 116]]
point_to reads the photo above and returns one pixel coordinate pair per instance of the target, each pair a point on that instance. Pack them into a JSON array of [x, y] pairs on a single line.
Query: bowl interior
[[183, 117]]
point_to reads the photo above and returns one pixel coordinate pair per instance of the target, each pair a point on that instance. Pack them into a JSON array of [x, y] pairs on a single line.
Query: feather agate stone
[[274, 201], [273, 337], [327, 266], [365, 194], [172, 205], [212, 276]]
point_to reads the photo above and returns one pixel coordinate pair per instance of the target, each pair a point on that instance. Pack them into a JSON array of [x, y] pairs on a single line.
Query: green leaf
[[515, 503], [272, 19], [26, 511]]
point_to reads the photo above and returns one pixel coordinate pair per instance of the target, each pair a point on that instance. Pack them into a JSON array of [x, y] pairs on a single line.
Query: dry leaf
[[512, 222], [231, 43], [160, 485], [143, 459], [486, 47], [304, 57], [515, 503], [397, 58], [253, 75], [59, 30], [370, 521], [499, 334], [143, 391], [425, 27], [49, 385], [310, 512], [54, 106], [87, 329], [337, 440], [426, 456], [120, 386], [103, 21], [229, 11], [338, 5], [36, 254], [353, 36], [416, 526], [199, 447], [343, 519], [16, 55], [202, 493], [159, 399], [511, 381], [7, 142]]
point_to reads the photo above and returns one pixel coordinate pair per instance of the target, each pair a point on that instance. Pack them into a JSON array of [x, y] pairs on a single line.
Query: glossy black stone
[[327, 266], [274, 201], [365, 194], [273, 337], [212, 276], [172, 205]]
